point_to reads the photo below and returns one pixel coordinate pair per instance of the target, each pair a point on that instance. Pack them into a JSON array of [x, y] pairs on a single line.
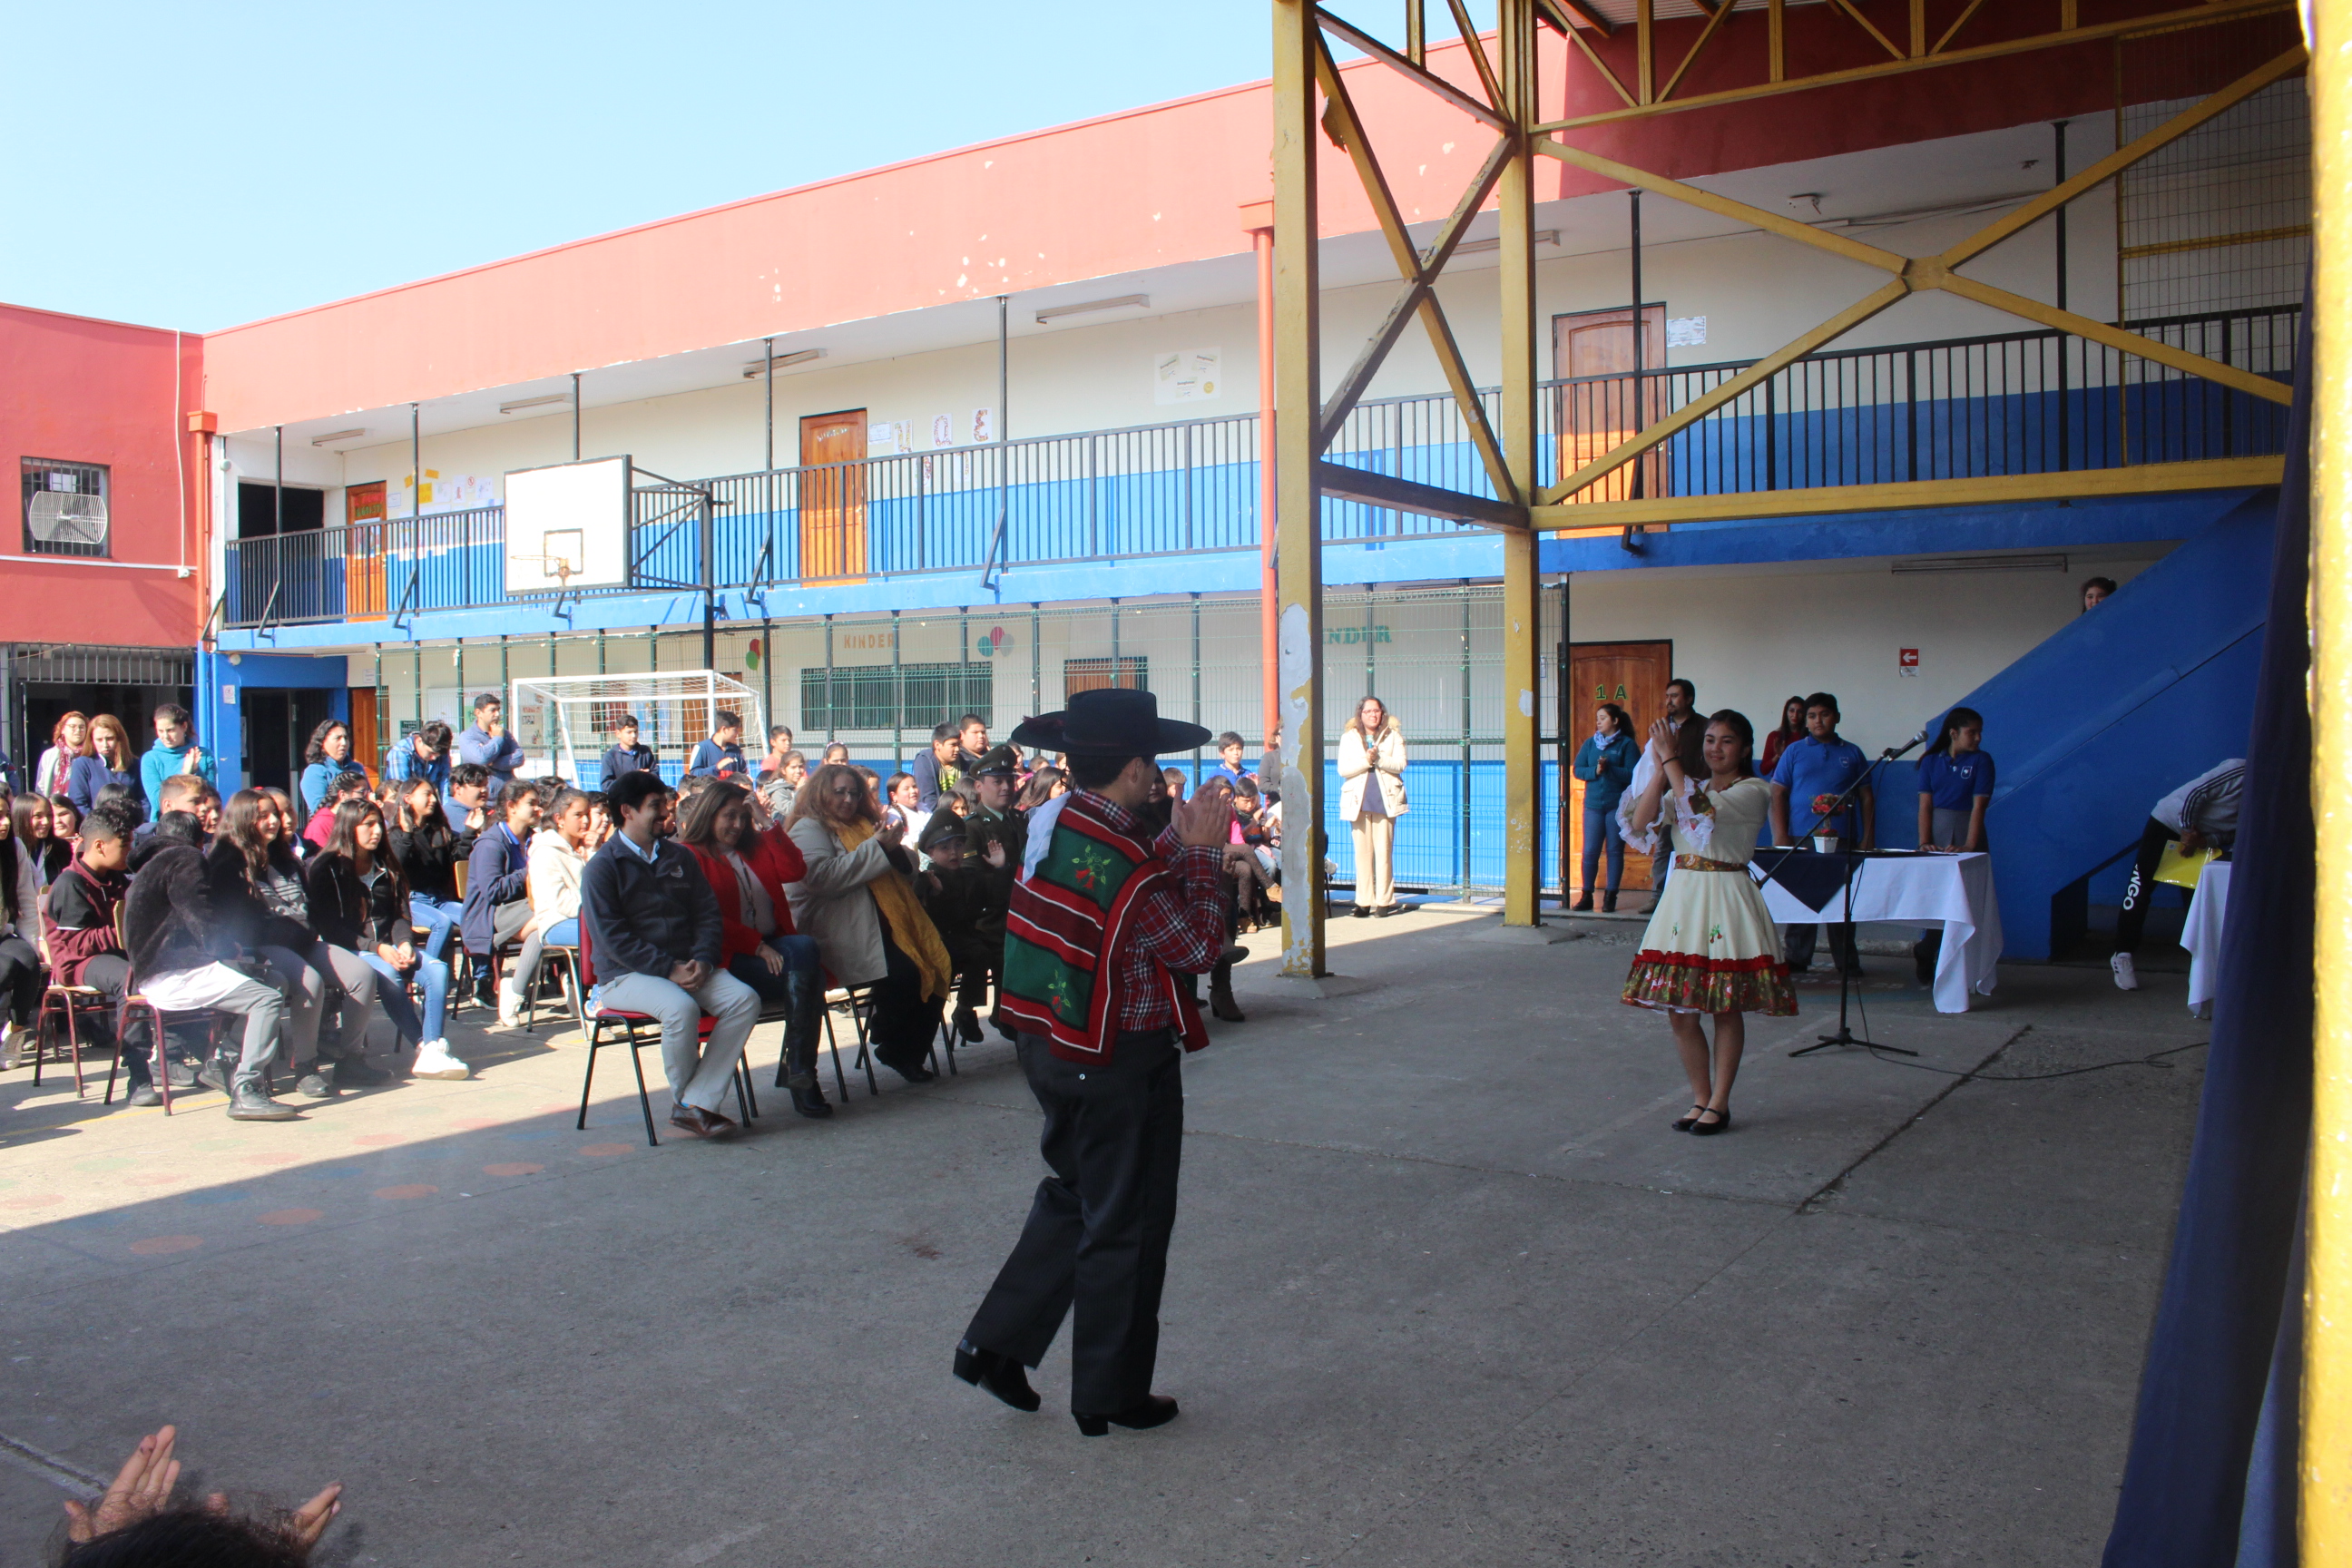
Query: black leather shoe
[[1157, 1410], [1584, 905], [1000, 1375], [1710, 1129], [913, 1072], [967, 1024], [810, 1101], [1363, 911]]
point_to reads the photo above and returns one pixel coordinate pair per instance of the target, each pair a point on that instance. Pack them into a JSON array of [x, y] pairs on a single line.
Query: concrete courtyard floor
[[1445, 1289]]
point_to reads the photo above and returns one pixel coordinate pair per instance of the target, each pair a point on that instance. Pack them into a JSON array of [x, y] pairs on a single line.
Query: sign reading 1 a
[[1600, 692]]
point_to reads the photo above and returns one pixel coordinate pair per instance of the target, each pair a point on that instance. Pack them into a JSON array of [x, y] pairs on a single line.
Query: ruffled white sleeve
[[1694, 818], [1644, 839]]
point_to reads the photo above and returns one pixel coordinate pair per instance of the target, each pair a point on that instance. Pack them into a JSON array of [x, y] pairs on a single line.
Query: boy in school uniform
[[625, 755]]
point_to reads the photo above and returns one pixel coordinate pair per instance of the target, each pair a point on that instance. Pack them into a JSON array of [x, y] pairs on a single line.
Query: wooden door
[[832, 499], [363, 545], [1592, 351], [1633, 675], [363, 726]]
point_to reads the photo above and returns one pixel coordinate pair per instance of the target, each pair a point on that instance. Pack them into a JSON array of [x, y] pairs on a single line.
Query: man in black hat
[[1102, 921], [994, 837]]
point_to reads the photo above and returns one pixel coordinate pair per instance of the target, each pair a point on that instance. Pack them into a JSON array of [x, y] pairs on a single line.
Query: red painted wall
[[83, 391]]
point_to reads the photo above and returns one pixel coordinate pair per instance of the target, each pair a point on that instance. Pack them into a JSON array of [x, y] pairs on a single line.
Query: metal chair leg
[[645, 1101], [595, 1042], [742, 1082], [832, 1044]]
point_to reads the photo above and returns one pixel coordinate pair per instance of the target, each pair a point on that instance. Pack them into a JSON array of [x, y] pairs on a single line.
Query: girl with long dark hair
[[1605, 764], [748, 870], [857, 897], [1710, 949], [328, 754], [40, 856], [255, 885], [65, 823], [359, 905], [20, 927], [1791, 731], [428, 852]]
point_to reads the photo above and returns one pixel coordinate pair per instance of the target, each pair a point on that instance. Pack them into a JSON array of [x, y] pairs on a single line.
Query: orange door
[[1596, 414], [833, 499], [363, 551], [1633, 675], [362, 727]]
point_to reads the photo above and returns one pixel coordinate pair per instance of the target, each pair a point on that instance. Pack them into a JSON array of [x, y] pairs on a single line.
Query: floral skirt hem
[[1692, 982]]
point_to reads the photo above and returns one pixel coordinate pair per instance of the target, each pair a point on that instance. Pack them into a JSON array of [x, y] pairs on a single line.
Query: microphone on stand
[[1915, 741]]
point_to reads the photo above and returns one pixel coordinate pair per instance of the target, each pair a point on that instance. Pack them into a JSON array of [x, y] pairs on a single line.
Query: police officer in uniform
[[996, 835]]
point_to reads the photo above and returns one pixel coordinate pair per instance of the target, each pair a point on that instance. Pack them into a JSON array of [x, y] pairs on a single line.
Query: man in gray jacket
[[654, 931]]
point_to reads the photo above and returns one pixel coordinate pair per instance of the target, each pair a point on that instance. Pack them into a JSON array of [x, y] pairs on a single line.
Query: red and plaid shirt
[[1178, 925]]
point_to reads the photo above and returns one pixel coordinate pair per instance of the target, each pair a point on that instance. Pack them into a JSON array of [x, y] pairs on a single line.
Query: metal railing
[[2037, 402]]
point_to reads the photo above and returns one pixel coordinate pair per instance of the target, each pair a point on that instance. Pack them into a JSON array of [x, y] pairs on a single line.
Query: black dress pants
[[905, 1022], [1099, 1228], [2132, 918], [21, 979]]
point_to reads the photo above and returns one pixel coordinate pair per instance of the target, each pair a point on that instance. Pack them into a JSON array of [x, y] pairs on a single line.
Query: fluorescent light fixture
[[1057, 311], [783, 362], [521, 404], [1981, 564], [1480, 247], [337, 436]]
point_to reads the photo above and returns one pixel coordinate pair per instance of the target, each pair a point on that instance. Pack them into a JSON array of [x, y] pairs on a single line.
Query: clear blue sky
[[195, 169]]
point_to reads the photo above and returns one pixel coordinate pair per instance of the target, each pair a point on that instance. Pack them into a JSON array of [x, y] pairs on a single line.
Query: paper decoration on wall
[[1686, 331], [991, 642], [448, 492], [942, 430], [984, 426], [890, 437], [1187, 375]]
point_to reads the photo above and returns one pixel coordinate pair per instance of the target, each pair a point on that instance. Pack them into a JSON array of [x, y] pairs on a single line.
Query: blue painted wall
[[220, 682]]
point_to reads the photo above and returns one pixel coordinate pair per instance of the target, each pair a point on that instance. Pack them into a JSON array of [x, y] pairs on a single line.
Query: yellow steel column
[[1298, 401], [2326, 1440], [1522, 763]]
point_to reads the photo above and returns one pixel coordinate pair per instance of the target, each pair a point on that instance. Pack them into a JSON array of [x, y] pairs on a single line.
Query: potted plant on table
[[1825, 842]]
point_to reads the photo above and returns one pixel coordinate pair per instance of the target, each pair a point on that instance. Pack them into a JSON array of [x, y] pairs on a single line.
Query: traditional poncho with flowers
[[1711, 946]]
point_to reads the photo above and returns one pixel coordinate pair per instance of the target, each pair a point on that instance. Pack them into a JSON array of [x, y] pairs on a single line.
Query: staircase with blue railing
[[2100, 721]]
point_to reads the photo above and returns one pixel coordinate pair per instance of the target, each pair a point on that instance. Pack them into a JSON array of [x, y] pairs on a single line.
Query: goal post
[[570, 718]]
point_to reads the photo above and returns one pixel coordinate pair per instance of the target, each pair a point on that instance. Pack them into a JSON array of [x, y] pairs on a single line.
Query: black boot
[[804, 1016], [1221, 995]]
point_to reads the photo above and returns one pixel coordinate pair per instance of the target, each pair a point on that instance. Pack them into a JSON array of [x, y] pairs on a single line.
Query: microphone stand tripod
[[1850, 959]]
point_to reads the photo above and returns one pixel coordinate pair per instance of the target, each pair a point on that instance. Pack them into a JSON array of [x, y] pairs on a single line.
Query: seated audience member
[[1254, 907], [359, 907], [174, 754], [498, 879], [180, 795], [326, 759], [778, 790], [83, 949], [721, 756], [1046, 783], [342, 788], [834, 752], [655, 933], [486, 742], [1173, 778], [559, 854], [996, 836], [467, 802], [900, 798], [428, 853], [65, 822], [2200, 814], [20, 933], [294, 842], [176, 947], [262, 904], [425, 757], [857, 897], [138, 1523], [40, 856], [749, 869], [1229, 759], [110, 763], [625, 755], [936, 771], [962, 898]]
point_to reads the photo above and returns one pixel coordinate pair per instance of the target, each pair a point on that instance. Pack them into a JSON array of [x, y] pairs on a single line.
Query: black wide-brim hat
[[1111, 721]]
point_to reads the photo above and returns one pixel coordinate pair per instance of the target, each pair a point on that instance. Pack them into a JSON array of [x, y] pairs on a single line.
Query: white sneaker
[[16, 1047], [510, 1006], [2127, 978], [434, 1060]]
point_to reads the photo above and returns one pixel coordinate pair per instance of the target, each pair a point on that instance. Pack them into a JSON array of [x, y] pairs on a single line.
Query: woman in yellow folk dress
[[1710, 948]]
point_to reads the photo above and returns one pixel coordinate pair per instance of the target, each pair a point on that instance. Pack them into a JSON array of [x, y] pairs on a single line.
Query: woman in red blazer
[[747, 871]]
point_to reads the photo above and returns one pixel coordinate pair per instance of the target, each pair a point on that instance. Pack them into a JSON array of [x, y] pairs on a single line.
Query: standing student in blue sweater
[[1605, 764], [174, 751], [113, 762], [488, 743], [325, 760], [721, 756]]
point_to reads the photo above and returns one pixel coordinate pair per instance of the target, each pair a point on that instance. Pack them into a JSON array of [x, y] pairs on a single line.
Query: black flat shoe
[[913, 1072], [1157, 1410], [1684, 1123], [1000, 1375], [810, 1102], [1363, 911], [1708, 1129]]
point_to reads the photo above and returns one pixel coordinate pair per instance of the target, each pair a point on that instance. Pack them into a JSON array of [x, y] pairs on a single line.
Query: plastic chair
[[639, 1030]]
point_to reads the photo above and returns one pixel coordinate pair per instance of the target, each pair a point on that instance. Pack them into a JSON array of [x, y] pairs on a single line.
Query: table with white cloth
[[1954, 892], [2201, 935]]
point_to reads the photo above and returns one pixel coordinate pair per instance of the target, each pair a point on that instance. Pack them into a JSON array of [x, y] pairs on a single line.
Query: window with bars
[[908, 696], [65, 508]]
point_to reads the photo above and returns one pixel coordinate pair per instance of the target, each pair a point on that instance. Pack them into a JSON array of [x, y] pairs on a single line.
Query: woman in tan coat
[[857, 897], [1371, 797]]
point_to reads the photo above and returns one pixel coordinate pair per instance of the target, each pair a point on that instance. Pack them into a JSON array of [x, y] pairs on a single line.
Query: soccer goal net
[[571, 719]]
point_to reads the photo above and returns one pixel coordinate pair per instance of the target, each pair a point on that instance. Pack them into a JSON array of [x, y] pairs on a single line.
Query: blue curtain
[[2222, 1330]]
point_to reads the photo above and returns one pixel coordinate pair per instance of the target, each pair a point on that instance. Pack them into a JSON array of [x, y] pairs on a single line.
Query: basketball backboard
[[567, 526]]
